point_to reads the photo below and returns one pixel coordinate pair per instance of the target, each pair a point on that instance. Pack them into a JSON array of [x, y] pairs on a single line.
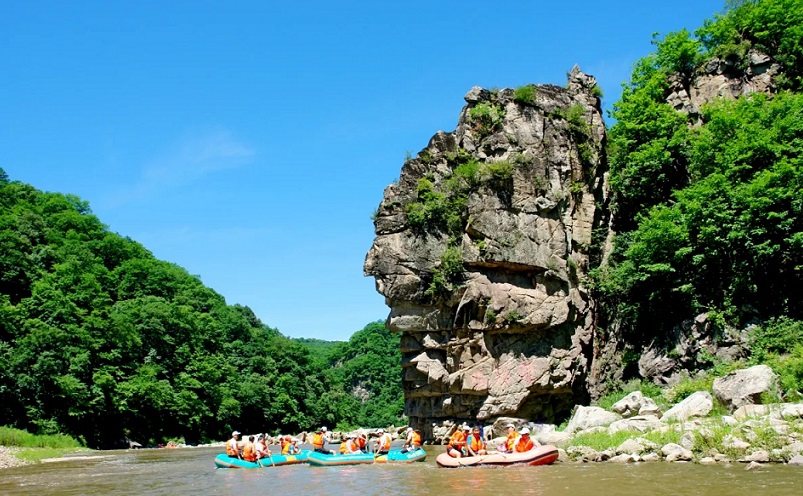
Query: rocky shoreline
[[7, 458], [635, 429]]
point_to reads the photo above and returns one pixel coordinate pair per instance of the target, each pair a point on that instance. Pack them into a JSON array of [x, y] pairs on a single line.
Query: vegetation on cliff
[[101, 340], [709, 214]]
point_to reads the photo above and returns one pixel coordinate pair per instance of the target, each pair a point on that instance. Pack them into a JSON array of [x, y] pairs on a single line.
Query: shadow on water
[[192, 471]]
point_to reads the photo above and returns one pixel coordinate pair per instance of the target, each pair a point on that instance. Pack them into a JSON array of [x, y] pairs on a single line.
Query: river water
[[192, 471]]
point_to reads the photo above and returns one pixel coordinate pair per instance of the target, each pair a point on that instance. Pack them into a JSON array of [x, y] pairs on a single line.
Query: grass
[[35, 447], [23, 439], [36, 455]]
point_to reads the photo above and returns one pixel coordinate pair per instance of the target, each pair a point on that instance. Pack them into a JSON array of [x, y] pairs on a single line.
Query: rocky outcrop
[[694, 343], [482, 249], [724, 79]]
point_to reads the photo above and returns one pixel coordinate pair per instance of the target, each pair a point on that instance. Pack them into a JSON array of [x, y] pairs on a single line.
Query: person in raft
[[249, 450], [507, 446], [262, 450], [383, 443], [524, 442], [232, 448], [291, 448], [413, 440], [361, 442], [319, 440], [294, 449], [348, 446], [475, 445], [456, 444]]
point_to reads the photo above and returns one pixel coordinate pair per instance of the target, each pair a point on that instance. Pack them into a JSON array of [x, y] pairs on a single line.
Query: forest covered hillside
[[102, 341], [707, 182]]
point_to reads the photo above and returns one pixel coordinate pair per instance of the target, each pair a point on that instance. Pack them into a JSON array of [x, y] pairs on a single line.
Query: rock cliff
[[482, 248]]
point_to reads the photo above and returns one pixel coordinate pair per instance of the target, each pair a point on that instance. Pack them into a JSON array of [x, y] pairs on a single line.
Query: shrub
[[525, 95], [486, 118], [687, 387], [777, 335], [447, 273]]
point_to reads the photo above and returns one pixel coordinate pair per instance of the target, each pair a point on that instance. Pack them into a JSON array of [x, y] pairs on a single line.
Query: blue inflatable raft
[[393, 456], [225, 461]]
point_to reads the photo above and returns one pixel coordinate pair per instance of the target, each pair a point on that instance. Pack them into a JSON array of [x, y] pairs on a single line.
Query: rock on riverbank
[[7, 458]]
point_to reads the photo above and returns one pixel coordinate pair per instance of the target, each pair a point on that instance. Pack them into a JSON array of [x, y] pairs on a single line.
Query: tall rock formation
[[482, 250]]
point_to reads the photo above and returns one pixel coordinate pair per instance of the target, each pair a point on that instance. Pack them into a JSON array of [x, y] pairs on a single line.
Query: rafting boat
[[225, 461], [542, 455], [393, 456]]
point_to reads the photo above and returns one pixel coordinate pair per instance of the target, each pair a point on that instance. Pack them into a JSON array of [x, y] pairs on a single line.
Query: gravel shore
[[7, 459]]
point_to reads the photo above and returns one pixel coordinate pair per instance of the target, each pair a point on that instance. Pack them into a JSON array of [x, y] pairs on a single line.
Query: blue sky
[[249, 142]]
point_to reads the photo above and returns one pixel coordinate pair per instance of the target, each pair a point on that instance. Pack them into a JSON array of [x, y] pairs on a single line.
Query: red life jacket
[[524, 445]]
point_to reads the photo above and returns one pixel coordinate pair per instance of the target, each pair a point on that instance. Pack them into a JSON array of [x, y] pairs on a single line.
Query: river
[[191, 471]]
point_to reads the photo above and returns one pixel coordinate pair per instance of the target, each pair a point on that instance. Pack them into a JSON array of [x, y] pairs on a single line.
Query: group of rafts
[[539, 455]]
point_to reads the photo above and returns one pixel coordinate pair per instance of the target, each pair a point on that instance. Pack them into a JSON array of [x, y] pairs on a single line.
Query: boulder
[[636, 403], [699, 404], [587, 417], [675, 453], [636, 445], [640, 423], [746, 386]]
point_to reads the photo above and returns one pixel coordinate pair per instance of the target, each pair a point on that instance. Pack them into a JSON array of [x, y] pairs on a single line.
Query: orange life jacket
[[458, 440], [231, 448], [511, 440], [317, 440], [344, 447], [476, 443], [417, 441], [249, 452], [524, 445], [384, 442], [361, 442]]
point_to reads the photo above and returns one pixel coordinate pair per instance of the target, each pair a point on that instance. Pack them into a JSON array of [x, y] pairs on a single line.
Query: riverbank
[[7, 458]]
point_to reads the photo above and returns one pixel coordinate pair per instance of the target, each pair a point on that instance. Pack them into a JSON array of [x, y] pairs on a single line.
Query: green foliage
[[364, 381], [689, 386], [525, 95], [678, 53], [513, 317], [10, 436], [731, 239], [486, 118], [443, 206], [447, 273], [99, 340], [776, 336], [647, 388], [774, 27]]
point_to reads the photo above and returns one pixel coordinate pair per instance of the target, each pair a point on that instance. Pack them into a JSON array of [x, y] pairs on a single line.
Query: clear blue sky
[[250, 141]]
